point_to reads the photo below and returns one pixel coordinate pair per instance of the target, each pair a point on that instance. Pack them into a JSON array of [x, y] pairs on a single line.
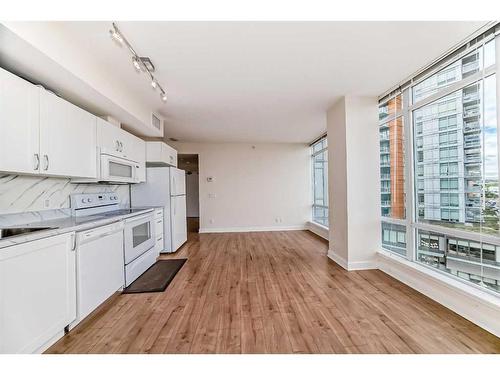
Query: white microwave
[[118, 170]]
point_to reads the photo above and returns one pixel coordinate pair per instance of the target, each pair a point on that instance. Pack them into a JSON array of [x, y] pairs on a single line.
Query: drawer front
[[159, 227], [159, 244], [139, 266]]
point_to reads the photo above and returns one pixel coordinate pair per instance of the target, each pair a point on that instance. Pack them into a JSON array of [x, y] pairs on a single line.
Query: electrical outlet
[[212, 195], [46, 203], [211, 221]]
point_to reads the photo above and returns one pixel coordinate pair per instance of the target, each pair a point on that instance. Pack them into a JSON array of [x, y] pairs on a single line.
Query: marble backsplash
[[32, 193]]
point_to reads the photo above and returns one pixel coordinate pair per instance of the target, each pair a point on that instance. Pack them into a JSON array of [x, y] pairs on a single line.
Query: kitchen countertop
[[66, 224]]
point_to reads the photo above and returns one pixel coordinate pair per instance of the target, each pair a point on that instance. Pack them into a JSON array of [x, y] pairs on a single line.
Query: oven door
[[139, 236], [114, 169]]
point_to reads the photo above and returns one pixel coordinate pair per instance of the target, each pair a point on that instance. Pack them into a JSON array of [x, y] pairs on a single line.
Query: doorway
[[189, 163]]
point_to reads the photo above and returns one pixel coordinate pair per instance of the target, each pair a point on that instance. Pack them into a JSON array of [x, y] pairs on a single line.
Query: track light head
[[116, 36], [136, 63], [163, 96], [154, 84]]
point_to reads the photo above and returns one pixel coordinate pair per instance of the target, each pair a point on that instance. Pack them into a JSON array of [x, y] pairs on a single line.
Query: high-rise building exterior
[[392, 159], [454, 146], [448, 147]]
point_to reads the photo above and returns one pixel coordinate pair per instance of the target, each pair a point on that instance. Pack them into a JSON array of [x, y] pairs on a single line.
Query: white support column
[[354, 182]]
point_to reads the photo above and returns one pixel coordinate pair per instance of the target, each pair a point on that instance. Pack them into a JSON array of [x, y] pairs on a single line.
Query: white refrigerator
[[165, 187]]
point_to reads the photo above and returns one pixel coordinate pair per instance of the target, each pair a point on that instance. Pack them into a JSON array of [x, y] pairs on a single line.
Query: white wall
[[192, 195], [261, 188]]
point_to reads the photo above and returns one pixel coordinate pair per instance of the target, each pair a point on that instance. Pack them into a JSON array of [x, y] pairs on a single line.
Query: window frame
[[323, 139]]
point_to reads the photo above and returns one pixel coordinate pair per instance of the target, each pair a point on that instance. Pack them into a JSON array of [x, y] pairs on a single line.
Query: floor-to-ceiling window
[[319, 156], [451, 220]]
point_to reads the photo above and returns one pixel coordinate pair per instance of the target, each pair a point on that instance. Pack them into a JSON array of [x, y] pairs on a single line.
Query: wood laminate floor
[[274, 292]]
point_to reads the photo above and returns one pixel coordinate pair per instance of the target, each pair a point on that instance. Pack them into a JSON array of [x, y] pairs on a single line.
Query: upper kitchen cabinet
[[19, 130], [67, 138], [115, 141], [43, 134], [111, 139], [159, 153]]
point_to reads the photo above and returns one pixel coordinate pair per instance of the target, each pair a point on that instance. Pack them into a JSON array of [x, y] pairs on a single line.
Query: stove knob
[[83, 200]]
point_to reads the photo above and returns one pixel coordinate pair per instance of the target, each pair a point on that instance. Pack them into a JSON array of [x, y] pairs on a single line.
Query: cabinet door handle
[[121, 146], [36, 162], [117, 148], [46, 160]]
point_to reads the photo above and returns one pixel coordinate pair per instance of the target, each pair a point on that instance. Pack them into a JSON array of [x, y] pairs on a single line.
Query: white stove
[[138, 230], [94, 203]]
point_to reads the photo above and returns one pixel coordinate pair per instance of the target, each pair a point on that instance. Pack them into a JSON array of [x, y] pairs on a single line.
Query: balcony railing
[[472, 126], [471, 113], [472, 160], [470, 97], [472, 144], [470, 67]]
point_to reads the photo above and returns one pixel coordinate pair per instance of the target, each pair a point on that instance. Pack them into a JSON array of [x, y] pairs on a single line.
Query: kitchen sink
[[10, 232]]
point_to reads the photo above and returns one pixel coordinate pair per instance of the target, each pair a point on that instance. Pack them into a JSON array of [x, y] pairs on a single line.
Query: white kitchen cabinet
[[37, 293], [159, 153], [19, 116], [110, 139], [137, 152], [159, 230], [117, 142], [67, 138]]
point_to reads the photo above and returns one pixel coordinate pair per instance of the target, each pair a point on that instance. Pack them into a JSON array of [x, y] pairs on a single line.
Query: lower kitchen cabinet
[[159, 245], [37, 293]]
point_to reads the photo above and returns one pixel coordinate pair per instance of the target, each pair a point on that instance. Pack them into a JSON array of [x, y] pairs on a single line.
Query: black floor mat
[[157, 277]]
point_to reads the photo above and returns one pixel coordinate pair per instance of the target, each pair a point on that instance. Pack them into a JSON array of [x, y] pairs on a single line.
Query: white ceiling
[[264, 81]]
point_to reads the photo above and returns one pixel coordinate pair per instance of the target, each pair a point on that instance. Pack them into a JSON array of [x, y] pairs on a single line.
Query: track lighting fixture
[[136, 63], [141, 63]]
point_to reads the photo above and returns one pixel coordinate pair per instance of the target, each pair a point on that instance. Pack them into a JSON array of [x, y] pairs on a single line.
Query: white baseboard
[[480, 307], [338, 259], [49, 343], [252, 229], [319, 230], [351, 266]]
